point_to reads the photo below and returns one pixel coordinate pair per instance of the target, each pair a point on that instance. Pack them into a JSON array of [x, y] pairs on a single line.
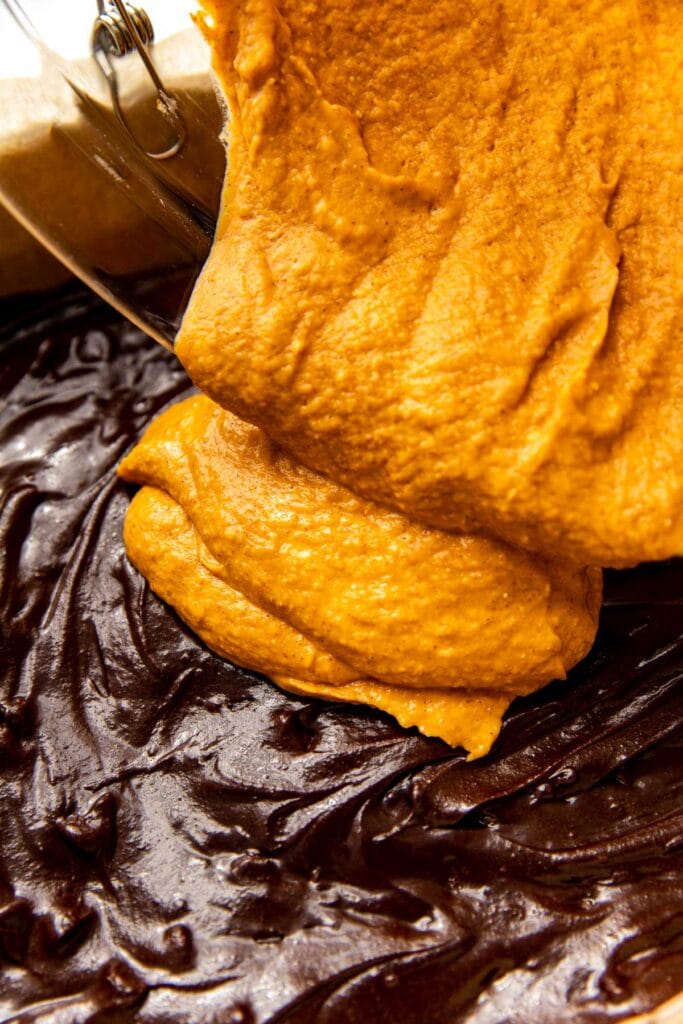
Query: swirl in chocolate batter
[[181, 841]]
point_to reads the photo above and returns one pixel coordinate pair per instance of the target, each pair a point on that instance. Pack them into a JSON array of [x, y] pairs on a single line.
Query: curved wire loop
[[119, 29]]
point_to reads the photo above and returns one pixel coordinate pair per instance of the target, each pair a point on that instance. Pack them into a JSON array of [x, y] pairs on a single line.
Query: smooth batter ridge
[[162, 543], [285, 572], [182, 842], [447, 269]]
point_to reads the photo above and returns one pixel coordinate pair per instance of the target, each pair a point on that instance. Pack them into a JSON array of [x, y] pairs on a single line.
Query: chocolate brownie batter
[[181, 841]]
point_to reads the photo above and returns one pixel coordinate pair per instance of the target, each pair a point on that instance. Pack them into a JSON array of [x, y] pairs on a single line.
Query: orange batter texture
[[447, 276], [282, 570]]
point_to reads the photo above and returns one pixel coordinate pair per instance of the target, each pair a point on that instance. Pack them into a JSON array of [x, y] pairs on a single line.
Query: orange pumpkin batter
[[448, 270], [447, 276]]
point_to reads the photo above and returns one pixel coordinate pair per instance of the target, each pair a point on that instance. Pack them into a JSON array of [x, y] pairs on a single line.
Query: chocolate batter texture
[[183, 842]]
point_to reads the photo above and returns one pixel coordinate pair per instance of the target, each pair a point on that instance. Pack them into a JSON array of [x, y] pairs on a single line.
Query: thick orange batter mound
[[448, 267], [447, 275], [290, 574]]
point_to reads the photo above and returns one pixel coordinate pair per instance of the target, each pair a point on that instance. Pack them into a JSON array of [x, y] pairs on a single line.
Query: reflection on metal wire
[[112, 31]]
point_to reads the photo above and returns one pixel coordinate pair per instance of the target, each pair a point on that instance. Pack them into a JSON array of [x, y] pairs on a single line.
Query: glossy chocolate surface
[[180, 841]]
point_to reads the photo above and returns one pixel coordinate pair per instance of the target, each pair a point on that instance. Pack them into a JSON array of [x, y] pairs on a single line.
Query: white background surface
[[65, 26]]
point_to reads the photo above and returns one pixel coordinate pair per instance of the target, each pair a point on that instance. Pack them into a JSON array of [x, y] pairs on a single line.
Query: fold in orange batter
[[162, 543], [287, 573]]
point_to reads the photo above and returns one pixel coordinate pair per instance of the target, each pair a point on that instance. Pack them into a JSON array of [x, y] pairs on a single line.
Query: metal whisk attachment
[[120, 29]]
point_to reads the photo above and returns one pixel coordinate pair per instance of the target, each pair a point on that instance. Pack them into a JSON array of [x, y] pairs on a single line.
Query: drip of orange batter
[[445, 276]]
